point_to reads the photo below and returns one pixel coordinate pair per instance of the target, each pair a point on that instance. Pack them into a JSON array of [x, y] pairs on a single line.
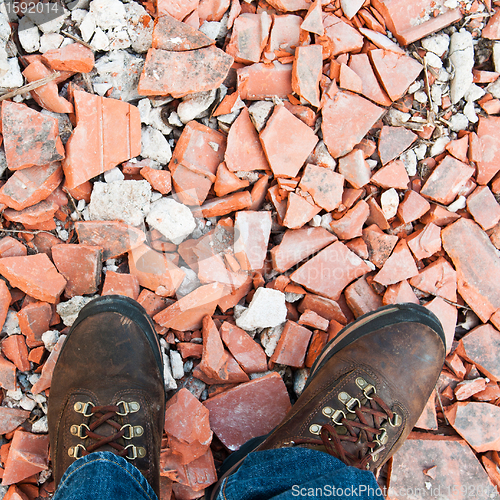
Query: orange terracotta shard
[[324, 185], [393, 175], [73, 57], [488, 161], [346, 120], [349, 80], [249, 37], [261, 81], [396, 71], [196, 71], [11, 418], [393, 141], [155, 271], [307, 71], [298, 244], [399, 266], [299, 211], [339, 37], [227, 182], [244, 151], [28, 455], [287, 142], [292, 345], [160, 180], [29, 138], [170, 34], [179, 9], [188, 312], [313, 21], [121, 284], [107, 133], [115, 238], [329, 272], [34, 275]]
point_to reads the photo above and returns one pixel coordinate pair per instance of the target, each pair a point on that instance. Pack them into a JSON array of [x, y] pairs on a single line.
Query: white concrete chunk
[[154, 145], [462, 59], [267, 309]]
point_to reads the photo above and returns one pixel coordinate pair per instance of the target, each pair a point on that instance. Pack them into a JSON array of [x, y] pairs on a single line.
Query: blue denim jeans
[[282, 474]]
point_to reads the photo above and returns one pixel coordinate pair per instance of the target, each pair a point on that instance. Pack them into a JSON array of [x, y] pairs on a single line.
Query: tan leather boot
[[107, 391], [367, 388]]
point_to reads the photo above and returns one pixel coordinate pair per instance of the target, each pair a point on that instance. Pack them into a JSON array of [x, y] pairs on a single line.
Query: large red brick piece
[[287, 142], [346, 120], [108, 132], [477, 264], [339, 37], [292, 345], [30, 186], [398, 267], [298, 244], [197, 70], [48, 368], [245, 350], [187, 426], [14, 348], [410, 22], [396, 71], [438, 278], [447, 315], [307, 71], [188, 312], [114, 237], [212, 358], [29, 138], [483, 206], [197, 154], [121, 284], [393, 141], [5, 299], [446, 180], [80, 265], [34, 275], [73, 57], [259, 81], [249, 410], [34, 320], [28, 455], [329, 272], [457, 469], [178, 9], [244, 151], [7, 374], [477, 423]]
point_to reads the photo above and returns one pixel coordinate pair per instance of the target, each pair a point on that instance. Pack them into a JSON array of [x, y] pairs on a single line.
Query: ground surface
[[257, 175]]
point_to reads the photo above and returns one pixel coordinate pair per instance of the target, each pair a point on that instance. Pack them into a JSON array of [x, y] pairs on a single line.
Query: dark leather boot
[[107, 391], [367, 388]]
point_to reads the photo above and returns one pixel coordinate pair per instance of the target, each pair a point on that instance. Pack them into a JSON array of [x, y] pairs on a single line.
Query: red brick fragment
[[399, 294], [160, 180], [483, 206], [306, 73], [428, 419], [48, 368], [197, 154], [227, 182], [10, 247], [459, 148], [464, 390], [393, 141], [299, 211], [114, 237], [11, 419], [313, 20], [5, 300], [178, 9], [380, 244], [251, 237], [362, 298], [40, 147], [34, 319], [425, 242], [14, 349], [249, 410], [446, 180], [73, 57], [34, 275], [30, 186], [355, 169], [438, 278], [244, 151], [171, 34], [28, 455], [199, 70], [488, 154], [324, 185], [7, 375], [34, 215], [393, 175], [447, 315], [187, 426], [259, 81], [346, 120], [339, 37], [412, 207], [351, 224], [225, 205], [81, 267], [492, 29], [314, 320], [287, 142], [399, 266], [329, 272], [349, 80], [292, 345], [249, 37], [245, 350], [187, 313], [121, 284]]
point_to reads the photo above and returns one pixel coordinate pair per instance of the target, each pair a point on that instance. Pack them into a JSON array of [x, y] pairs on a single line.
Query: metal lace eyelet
[[137, 452], [83, 408], [78, 430], [396, 420], [131, 407], [133, 431], [74, 451], [315, 429], [349, 402]]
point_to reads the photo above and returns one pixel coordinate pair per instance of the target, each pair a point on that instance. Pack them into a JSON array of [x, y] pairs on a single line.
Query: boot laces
[[337, 436], [99, 416]]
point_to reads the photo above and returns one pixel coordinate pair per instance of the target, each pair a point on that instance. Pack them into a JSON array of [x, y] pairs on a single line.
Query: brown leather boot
[[107, 391], [366, 390]]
